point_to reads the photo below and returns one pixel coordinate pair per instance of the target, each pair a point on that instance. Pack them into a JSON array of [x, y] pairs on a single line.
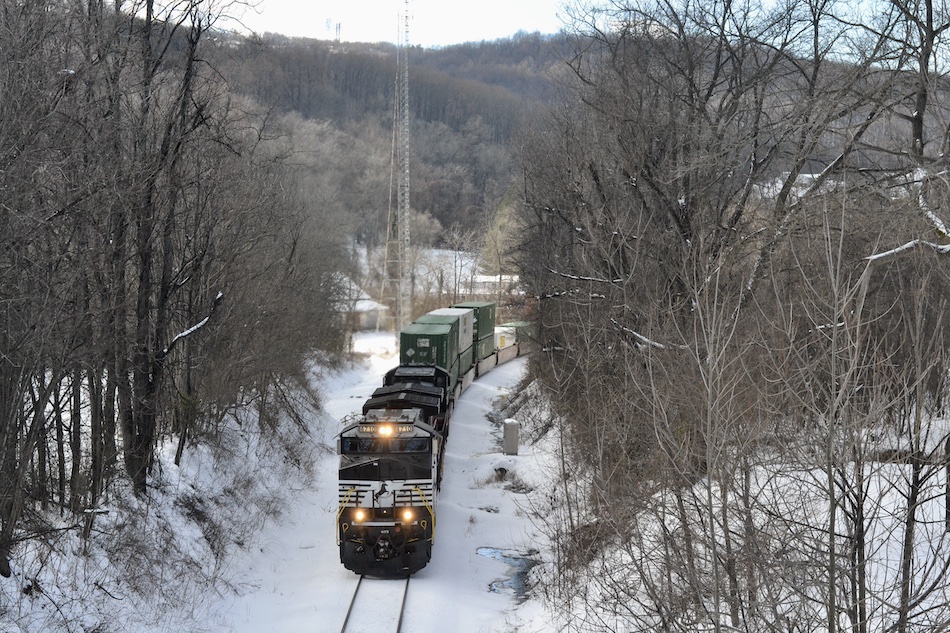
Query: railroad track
[[377, 606]]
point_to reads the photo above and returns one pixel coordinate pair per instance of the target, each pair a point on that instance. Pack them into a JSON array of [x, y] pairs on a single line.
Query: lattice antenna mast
[[398, 242]]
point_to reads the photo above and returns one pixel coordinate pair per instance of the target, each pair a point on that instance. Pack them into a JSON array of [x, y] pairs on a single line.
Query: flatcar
[[391, 457]]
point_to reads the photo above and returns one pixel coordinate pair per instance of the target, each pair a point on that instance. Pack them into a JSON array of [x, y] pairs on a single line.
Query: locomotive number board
[[376, 429]]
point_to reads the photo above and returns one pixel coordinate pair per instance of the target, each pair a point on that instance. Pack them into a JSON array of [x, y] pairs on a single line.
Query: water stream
[[519, 565]]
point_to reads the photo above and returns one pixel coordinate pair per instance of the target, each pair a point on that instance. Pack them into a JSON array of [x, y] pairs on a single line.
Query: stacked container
[[484, 330], [461, 321], [505, 336], [520, 331], [430, 344]]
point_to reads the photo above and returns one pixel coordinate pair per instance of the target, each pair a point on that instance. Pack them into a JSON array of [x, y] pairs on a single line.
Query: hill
[[468, 105]]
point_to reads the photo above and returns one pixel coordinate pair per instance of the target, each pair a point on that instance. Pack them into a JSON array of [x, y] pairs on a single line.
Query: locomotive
[[391, 456]]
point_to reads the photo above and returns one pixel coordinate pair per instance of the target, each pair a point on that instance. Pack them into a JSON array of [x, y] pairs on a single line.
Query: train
[[391, 455]]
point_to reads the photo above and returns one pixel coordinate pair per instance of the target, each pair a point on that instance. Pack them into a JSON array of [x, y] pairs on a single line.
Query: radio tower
[[398, 266]]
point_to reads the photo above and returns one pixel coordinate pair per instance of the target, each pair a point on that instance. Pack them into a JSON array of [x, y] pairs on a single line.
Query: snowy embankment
[[293, 581], [240, 538]]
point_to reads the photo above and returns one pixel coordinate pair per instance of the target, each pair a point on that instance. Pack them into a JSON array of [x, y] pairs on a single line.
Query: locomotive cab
[[389, 468]]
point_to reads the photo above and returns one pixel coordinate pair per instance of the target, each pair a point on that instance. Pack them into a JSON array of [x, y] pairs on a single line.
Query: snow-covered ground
[[240, 538], [291, 580]]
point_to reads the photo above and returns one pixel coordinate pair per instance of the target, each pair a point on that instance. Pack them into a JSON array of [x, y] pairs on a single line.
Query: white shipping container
[[505, 337], [466, 324]]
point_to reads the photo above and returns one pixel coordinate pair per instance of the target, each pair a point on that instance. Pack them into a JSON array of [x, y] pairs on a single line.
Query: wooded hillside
[[731, 224], [468, 105]]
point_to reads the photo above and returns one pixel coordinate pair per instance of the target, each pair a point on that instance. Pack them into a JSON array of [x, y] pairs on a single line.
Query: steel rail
[[353, 603], [349, 610]]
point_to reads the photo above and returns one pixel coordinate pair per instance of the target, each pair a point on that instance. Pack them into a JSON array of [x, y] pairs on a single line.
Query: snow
[[194, 328], [368, 305], [941, 249], [240, 538], [292, 579], [155, 565]]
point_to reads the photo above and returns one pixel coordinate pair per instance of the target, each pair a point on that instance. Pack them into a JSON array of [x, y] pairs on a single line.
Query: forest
[[468, 104], [735, 228], [144, 206]]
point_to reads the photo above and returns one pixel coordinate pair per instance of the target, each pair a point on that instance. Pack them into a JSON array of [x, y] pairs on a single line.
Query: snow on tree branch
[[929, 213], [939, 226], [887, 256], [894, 253], [194, 328], [644, 340], [581, 278]]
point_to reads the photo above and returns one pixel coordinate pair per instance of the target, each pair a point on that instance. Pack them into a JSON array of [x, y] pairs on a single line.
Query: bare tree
[[696, 224], [151, 228]]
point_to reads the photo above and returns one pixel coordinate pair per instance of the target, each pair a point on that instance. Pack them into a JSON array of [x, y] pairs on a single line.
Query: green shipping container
[[466, 358], [466, 361], [451, 321], [484, 317], [525, 330], [485, 347], [428, 344]]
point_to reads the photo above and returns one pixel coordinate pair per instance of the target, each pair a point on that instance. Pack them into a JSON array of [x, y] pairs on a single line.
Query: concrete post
[[509, 443]]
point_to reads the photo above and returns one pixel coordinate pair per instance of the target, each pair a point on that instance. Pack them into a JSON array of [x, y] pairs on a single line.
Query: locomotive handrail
[[412, 496], [428, 506], [339, 513]]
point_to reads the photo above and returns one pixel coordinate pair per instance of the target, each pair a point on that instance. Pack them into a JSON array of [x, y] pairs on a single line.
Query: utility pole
[[398, 266]]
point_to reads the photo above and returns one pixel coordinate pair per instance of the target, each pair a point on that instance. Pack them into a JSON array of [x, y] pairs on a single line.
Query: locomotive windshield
[[410, 445], [361, 445], [376, 446]]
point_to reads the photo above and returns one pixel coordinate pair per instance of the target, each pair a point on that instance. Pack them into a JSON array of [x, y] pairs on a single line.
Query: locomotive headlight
[[407, 515], [386, 430], [359, 515]]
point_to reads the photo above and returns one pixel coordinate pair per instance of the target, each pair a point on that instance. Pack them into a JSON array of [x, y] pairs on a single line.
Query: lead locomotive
[[390, 465]]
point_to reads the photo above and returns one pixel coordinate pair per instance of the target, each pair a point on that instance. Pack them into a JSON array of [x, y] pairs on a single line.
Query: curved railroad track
[[377, 606]]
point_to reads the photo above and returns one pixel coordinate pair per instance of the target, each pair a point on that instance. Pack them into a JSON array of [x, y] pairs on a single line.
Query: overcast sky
[[432, 22]]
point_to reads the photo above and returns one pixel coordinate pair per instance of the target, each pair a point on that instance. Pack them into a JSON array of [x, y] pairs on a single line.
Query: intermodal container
[[505, 336], [428, 344], [484, 317], [466, 321], [466, 356], [441, 319], [466, 361], [524, 330], [484, 347]]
